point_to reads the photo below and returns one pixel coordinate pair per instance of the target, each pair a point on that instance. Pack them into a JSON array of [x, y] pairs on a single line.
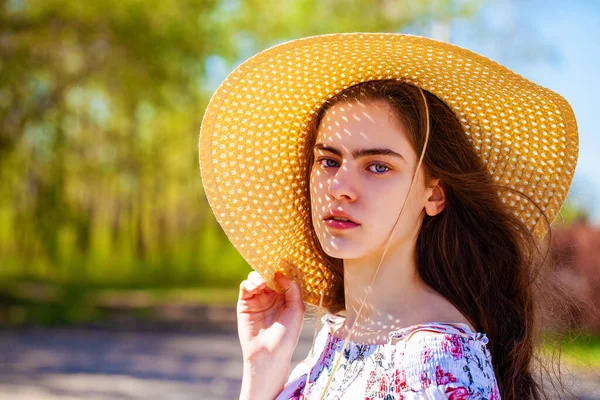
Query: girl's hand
[[269, 322]]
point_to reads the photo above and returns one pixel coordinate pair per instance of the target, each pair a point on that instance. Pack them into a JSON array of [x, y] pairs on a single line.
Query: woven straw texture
[[252, 140]]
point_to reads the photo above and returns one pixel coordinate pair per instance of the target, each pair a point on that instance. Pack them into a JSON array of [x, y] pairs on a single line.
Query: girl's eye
[[329, 163], [379, 168]]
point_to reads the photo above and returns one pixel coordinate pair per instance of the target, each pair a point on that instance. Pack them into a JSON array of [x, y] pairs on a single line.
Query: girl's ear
[[436, 200]]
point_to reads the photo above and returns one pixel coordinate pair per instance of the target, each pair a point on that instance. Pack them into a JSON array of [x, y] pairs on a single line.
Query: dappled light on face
[[326, 186], [367, 116], [335, 118], [356, 148]]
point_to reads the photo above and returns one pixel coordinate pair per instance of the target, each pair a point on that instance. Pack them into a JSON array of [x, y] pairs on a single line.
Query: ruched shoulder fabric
[[448, 362]]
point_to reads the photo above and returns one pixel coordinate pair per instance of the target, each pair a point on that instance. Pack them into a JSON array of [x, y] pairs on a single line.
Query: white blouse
[[452, 364]]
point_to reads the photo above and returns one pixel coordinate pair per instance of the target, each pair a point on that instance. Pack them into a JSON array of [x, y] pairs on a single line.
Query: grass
[[576, 349], [153, 296], [37, 303]]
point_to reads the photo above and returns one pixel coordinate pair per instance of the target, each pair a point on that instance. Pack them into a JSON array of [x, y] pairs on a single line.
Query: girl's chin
[[345, 251]]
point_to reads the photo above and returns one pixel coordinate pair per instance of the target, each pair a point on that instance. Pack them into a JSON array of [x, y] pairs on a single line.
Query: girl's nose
[[343, 185]]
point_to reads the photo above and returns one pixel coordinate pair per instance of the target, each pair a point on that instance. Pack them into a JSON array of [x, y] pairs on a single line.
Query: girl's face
[[360, 178]]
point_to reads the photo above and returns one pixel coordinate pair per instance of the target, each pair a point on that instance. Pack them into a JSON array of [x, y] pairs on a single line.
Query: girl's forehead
[[363, 124]]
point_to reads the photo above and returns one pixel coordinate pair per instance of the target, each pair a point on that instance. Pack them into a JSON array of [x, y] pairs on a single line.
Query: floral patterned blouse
[[454, 363]]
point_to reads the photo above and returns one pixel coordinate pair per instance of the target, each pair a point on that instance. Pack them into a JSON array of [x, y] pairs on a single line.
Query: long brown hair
[[476, 252]]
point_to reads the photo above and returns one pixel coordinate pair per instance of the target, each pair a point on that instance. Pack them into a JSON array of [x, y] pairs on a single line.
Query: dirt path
[[45, 364]]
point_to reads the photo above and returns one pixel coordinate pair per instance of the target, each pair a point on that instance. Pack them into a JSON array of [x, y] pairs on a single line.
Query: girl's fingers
[[246, 290], [291, 289], [249, 289], [255, 278], [243, 290], [252, 284]]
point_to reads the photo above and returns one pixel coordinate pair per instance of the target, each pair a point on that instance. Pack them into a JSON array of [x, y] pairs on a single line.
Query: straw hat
[[253, 137]]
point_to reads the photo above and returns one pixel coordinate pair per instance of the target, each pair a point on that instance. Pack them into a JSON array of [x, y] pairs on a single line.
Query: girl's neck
[[398, 297], [393, 291]]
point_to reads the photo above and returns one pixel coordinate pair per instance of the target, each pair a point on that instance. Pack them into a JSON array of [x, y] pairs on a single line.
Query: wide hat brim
[[253, 137]]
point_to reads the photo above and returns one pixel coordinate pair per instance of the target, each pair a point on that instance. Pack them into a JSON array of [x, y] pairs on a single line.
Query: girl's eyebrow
[[361, 152]]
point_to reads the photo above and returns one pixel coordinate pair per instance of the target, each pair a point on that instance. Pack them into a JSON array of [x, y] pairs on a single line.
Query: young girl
[[402, 185]]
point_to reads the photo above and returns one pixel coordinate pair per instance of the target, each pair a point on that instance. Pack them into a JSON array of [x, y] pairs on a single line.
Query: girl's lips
[[337, 224]]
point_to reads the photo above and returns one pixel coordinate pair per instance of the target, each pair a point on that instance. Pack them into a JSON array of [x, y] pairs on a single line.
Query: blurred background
[[115, 279]]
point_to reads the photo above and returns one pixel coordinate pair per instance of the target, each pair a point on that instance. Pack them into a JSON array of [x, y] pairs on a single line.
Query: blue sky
[[557, 45]]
